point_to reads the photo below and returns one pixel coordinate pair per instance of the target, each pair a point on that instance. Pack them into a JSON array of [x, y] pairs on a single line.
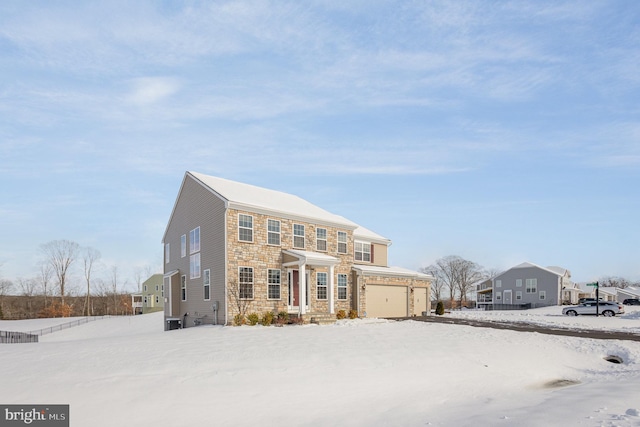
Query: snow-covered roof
[[251, 198], [366, 234], [390, 271], [558, 271], [313, 258]]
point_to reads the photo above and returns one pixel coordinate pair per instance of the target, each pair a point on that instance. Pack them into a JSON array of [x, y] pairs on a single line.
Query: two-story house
[[153, 294], [230, 247], [527, 286]]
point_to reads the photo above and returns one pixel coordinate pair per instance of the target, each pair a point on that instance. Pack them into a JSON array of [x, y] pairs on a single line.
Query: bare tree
[[613, 281], [60, 255], [44, 276], [241, 303], [456, 274], [5, 289], [437, 284], [137, 276], [89, 257], [28, 288]]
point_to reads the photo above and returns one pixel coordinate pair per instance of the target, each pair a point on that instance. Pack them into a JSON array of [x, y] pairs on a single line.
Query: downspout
[[226, 268]]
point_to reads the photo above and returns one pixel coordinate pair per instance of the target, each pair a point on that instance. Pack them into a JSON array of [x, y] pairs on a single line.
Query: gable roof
[[558, 271], [251, 198]]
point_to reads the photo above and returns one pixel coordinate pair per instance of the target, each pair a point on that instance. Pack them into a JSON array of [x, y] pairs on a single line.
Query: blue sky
[[501, 132]]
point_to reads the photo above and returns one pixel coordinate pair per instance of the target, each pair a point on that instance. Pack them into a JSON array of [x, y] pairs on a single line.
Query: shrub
[[239, 320], [253, 319], [56, 309], [267, 318], [353, 314], [297, 320], [341, 314], [440, 308]]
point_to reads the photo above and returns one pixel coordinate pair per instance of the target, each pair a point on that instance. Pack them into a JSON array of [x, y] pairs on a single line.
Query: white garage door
[[386, 301], [419, 301]]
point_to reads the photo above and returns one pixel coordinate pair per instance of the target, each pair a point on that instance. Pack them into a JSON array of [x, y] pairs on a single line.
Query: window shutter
[[372, 253]]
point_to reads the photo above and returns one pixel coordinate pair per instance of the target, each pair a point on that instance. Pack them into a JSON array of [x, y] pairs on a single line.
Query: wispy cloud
[[149, 90]]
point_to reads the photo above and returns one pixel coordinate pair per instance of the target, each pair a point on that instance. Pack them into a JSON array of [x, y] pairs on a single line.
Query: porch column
[[330, 284], [302, 279]]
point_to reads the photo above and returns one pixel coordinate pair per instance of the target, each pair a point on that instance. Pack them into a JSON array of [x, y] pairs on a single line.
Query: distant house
[[630, 292], [153, 294], [527, 286], [232, 247]]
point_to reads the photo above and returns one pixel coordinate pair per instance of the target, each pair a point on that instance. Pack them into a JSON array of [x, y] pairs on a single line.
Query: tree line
[[55, 291]]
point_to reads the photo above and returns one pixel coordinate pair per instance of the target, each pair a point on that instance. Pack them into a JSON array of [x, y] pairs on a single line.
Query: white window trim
[[193, 272], [498, 296], [304, 231], [193, 248], [183, 245], [518, 295], [346, 242], [245, 228], [532, 290], [498, 283], [167, 253], [363, 252], [325, 240], [279, 232], [542, 295], [519, 283], [325, 286], [183, 286], [345, 287], [253, 283], [279, 284], [206, 276]]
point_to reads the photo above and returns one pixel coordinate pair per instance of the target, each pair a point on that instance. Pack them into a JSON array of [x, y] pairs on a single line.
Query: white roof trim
[[531, 265], [373, 270]]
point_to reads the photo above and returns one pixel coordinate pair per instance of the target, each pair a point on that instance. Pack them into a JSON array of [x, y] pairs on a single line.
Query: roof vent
[[614, 359]]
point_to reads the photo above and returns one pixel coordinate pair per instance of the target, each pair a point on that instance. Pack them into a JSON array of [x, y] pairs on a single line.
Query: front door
[[295, 288], [507, 297]]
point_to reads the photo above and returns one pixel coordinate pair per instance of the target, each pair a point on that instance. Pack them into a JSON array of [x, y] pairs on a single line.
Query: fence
[[17, 337], [32, 336], [490, 307]]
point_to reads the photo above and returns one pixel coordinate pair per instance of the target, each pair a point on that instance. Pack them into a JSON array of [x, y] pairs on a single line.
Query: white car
[[607, 308]]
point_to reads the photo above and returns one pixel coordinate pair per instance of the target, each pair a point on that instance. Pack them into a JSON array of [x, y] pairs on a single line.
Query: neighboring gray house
[[527, 285], [630, 292]]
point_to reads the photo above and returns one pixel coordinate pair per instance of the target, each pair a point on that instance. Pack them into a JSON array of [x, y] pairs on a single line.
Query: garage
[[386, 301]]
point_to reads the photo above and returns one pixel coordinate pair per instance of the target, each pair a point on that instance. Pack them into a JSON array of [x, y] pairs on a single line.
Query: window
[[207, 285], [246, 282], [321, 285], [162, 288], [194, 266], [157, 288], [498, 283], [183, 245], [519, 283], [321, 239], [342, 286], [145, 300], [518, 295], [194, 240], [167, 252], [245, 228], [543, 295], [157, 299], [342, 242], [532, 286], [298, 236], [498, 296], [363, 252], [273, 232], [183, 288], [274, 284], [145, 288]]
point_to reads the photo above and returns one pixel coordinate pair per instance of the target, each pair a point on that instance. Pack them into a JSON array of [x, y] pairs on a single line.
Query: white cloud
[[150, 90]]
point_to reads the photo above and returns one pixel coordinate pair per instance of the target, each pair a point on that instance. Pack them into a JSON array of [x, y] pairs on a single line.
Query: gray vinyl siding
[[547, 281], [198, 207]]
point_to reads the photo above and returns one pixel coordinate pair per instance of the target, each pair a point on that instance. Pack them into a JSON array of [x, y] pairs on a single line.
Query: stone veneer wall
[[393, 281], [262, 257]]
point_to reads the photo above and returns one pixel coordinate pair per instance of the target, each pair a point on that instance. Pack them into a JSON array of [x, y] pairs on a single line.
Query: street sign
[[593, 284]]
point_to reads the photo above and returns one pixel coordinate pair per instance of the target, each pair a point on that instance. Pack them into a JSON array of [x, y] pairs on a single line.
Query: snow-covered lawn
[[127, 371]]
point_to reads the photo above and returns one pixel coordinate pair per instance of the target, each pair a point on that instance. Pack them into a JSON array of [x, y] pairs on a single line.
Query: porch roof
[[310, 258]]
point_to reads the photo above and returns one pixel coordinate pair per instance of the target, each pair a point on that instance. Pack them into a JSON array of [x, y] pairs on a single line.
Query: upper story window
[[342, 242], [362, 251], [298, 236], [167, 253], [194, 266], [183, 245], [532, 286], [498, 283], [245, 228], [194, 240], [273, 232], [321, 239], [519, 283]]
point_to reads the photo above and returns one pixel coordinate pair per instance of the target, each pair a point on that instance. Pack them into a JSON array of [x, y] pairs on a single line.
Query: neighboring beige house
[[230, 246], [152, 294]]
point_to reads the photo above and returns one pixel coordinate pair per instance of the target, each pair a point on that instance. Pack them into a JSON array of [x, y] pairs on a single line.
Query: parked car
[[607, 308], [631, 301]]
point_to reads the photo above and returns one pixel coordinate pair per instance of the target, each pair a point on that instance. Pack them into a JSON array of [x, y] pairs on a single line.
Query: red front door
[[296, 288]]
